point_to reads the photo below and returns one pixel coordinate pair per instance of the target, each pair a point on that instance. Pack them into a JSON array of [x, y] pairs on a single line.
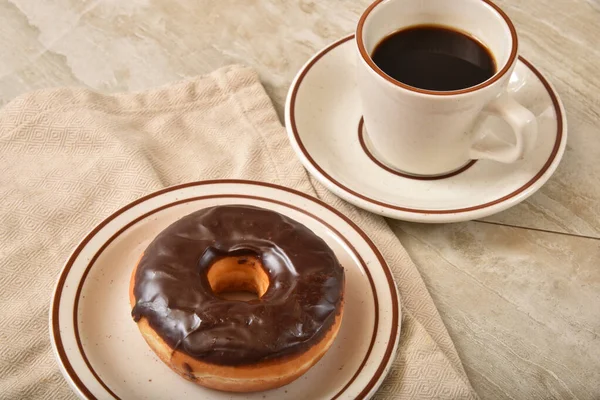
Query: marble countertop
[[519, 291]]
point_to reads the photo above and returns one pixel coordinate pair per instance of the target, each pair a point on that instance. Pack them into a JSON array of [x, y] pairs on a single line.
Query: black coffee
[[434, 58]]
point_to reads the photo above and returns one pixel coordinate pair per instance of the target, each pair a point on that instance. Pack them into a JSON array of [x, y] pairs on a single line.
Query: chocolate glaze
[[172, 290]]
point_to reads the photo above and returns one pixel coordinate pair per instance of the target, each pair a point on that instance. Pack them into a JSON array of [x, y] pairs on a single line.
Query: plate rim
[[58, 347], [415, 214]]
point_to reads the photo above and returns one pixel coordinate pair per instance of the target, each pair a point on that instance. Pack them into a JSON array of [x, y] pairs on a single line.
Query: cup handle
[[524, 127]]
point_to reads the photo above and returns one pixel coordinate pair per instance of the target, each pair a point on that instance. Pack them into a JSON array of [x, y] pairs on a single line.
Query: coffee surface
[[434, 58]]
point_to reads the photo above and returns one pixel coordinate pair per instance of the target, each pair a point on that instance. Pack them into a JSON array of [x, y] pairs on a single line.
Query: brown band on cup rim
[[367, 57]]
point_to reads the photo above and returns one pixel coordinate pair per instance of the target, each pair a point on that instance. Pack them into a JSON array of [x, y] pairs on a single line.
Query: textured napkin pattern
[[71, 157]]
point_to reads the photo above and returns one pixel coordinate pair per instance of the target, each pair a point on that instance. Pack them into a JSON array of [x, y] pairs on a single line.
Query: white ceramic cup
[[426, 132]]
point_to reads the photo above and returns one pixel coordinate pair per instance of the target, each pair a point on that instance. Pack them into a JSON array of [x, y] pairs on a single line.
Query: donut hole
[[238, 278]]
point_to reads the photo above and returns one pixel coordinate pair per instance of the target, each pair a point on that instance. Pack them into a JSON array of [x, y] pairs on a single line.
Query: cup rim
[[367, 57]]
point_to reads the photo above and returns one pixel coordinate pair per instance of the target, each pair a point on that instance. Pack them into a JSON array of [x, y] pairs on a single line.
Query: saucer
[[103, 355], [324, 124]]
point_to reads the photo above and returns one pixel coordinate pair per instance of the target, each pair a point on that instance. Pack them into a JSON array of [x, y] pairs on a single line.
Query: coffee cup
[[425, 124]]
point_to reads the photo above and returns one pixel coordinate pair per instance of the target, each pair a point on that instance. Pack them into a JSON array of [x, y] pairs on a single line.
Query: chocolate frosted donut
[[303, 300]]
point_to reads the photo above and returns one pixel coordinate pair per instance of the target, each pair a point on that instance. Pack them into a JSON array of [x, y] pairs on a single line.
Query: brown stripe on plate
[[59, 288], [559, 135], [219, 196], [363, 144]]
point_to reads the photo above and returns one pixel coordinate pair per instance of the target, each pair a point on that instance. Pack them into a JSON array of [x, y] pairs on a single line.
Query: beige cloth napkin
[[71, 157]]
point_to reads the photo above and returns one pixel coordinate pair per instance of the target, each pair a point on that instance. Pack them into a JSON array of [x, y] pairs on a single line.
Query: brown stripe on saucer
[[538, 175], [363, 144]]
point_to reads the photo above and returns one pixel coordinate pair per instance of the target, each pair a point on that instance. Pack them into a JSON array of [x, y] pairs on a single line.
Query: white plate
[[323, 120], [102, 354]]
